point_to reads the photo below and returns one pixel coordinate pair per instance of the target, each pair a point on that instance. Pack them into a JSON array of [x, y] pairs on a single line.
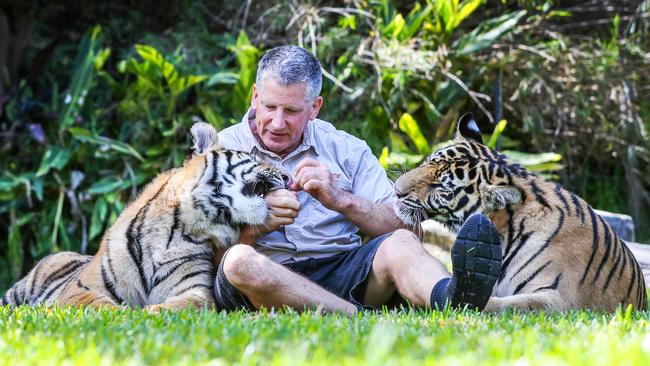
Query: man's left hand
[[317, 180]]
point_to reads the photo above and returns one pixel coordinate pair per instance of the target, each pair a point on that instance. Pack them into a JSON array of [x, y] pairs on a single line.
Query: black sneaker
[[476, 262]]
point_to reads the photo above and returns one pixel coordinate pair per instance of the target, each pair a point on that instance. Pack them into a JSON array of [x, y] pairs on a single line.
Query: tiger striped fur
[[159, 252], [558, 254]]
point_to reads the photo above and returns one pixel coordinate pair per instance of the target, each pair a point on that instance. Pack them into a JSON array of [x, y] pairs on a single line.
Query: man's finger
[[283, 202], [306, 170], [283, 212], [320, 169], [304, 163], [282, 198], [280, 193], [313, 186], [273, 222], [309, 175]]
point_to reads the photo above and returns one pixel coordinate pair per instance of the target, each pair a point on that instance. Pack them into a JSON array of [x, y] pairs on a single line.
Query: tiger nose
[[399, 193], [286, 178]]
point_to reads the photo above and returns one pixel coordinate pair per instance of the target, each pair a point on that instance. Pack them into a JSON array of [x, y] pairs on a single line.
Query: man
[[308, 254]]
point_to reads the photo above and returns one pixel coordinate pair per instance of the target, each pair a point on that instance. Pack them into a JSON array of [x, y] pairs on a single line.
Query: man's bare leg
[[402, 264], [268, 284]]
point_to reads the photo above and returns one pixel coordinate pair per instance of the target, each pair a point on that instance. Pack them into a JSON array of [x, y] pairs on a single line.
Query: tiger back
[[557, 252], [159, 252]]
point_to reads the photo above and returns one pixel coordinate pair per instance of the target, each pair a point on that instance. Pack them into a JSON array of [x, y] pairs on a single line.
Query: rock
[[642, 254], [623, 225]]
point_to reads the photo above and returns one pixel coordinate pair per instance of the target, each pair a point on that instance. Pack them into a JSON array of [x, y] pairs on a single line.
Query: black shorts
[[345, 275]]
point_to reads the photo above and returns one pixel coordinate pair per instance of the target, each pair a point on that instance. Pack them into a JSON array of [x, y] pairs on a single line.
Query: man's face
[[282, 114]]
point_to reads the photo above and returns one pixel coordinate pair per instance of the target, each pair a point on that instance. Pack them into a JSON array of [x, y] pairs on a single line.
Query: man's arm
[[371, 218]]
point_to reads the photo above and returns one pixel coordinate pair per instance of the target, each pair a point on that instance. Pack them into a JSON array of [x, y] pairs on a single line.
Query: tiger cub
[[557, 253], [159, 252]]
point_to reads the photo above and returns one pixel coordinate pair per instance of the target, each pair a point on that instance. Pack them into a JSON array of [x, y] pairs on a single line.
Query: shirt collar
[[253, 141]]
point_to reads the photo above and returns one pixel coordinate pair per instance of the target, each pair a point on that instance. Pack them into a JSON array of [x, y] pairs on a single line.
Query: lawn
[[92, 337]]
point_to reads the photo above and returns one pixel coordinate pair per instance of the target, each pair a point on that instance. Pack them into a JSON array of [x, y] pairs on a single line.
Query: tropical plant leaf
[[383, 157], [481, 38], [54, 157], [211, 117], [498, 130], [223, 77], [414, 21], [532, 159], [108, 184], [15, 249], [82, 77], [466, 9], [545, 167], [114, 184], [85, 135], [98, 218], [403, 160], [7, 184], [410, 127]]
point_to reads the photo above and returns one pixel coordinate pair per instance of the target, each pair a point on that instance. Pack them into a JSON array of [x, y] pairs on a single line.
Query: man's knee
[[244, 267], [396, 249]]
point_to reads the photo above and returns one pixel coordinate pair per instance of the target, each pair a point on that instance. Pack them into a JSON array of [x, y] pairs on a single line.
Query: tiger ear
[[468, 128], [499, 197], [204, 138]]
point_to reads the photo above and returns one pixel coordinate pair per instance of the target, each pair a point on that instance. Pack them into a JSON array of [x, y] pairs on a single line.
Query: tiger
[[158, 254], [558, 254]]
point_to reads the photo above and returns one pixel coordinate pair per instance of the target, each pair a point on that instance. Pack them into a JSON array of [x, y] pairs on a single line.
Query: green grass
[[93, 337]]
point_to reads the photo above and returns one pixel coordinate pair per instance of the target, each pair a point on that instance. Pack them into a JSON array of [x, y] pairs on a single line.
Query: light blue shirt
[[317, 231]]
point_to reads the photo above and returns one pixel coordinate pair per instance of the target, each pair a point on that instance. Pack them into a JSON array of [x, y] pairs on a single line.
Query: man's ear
[[468, 128], [499, 197], [315, 107], [204, 138], [255, 95]]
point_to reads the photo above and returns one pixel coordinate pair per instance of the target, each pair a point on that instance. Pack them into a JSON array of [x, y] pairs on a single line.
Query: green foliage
[[247, 57], [496, 134], [487, 33], [125, 337], [155, 78], [88, 57], [410, 127], [116, 125], [416, 61]]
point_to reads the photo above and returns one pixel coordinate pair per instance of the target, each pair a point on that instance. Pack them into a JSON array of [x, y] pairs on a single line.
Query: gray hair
[[290, 65]]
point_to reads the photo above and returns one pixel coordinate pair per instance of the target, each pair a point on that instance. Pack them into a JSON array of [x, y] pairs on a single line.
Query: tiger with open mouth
[[159, 252]]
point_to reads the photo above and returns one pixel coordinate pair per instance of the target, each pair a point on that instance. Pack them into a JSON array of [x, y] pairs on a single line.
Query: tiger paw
[[156, 309]]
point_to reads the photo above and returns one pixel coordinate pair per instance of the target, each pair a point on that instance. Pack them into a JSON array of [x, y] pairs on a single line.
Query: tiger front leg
[[542, 300], [195, 298], [95, 299]]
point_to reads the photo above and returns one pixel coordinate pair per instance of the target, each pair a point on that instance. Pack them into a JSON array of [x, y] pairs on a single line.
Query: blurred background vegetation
[[97, 97]]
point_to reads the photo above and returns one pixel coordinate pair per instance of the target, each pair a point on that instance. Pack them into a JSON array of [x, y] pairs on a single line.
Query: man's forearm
[[373, 219]]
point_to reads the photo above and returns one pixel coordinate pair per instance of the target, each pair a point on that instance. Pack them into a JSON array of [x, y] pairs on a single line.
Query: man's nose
[[278, 119]]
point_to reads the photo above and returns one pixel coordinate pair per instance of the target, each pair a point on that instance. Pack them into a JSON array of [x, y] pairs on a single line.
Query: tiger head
[[457, 181], [229, 186]]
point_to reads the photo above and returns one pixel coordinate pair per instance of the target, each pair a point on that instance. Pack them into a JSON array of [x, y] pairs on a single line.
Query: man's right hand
[[283, 208]]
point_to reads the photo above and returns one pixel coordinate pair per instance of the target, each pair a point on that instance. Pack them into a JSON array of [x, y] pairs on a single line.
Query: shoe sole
[[476, 259]]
